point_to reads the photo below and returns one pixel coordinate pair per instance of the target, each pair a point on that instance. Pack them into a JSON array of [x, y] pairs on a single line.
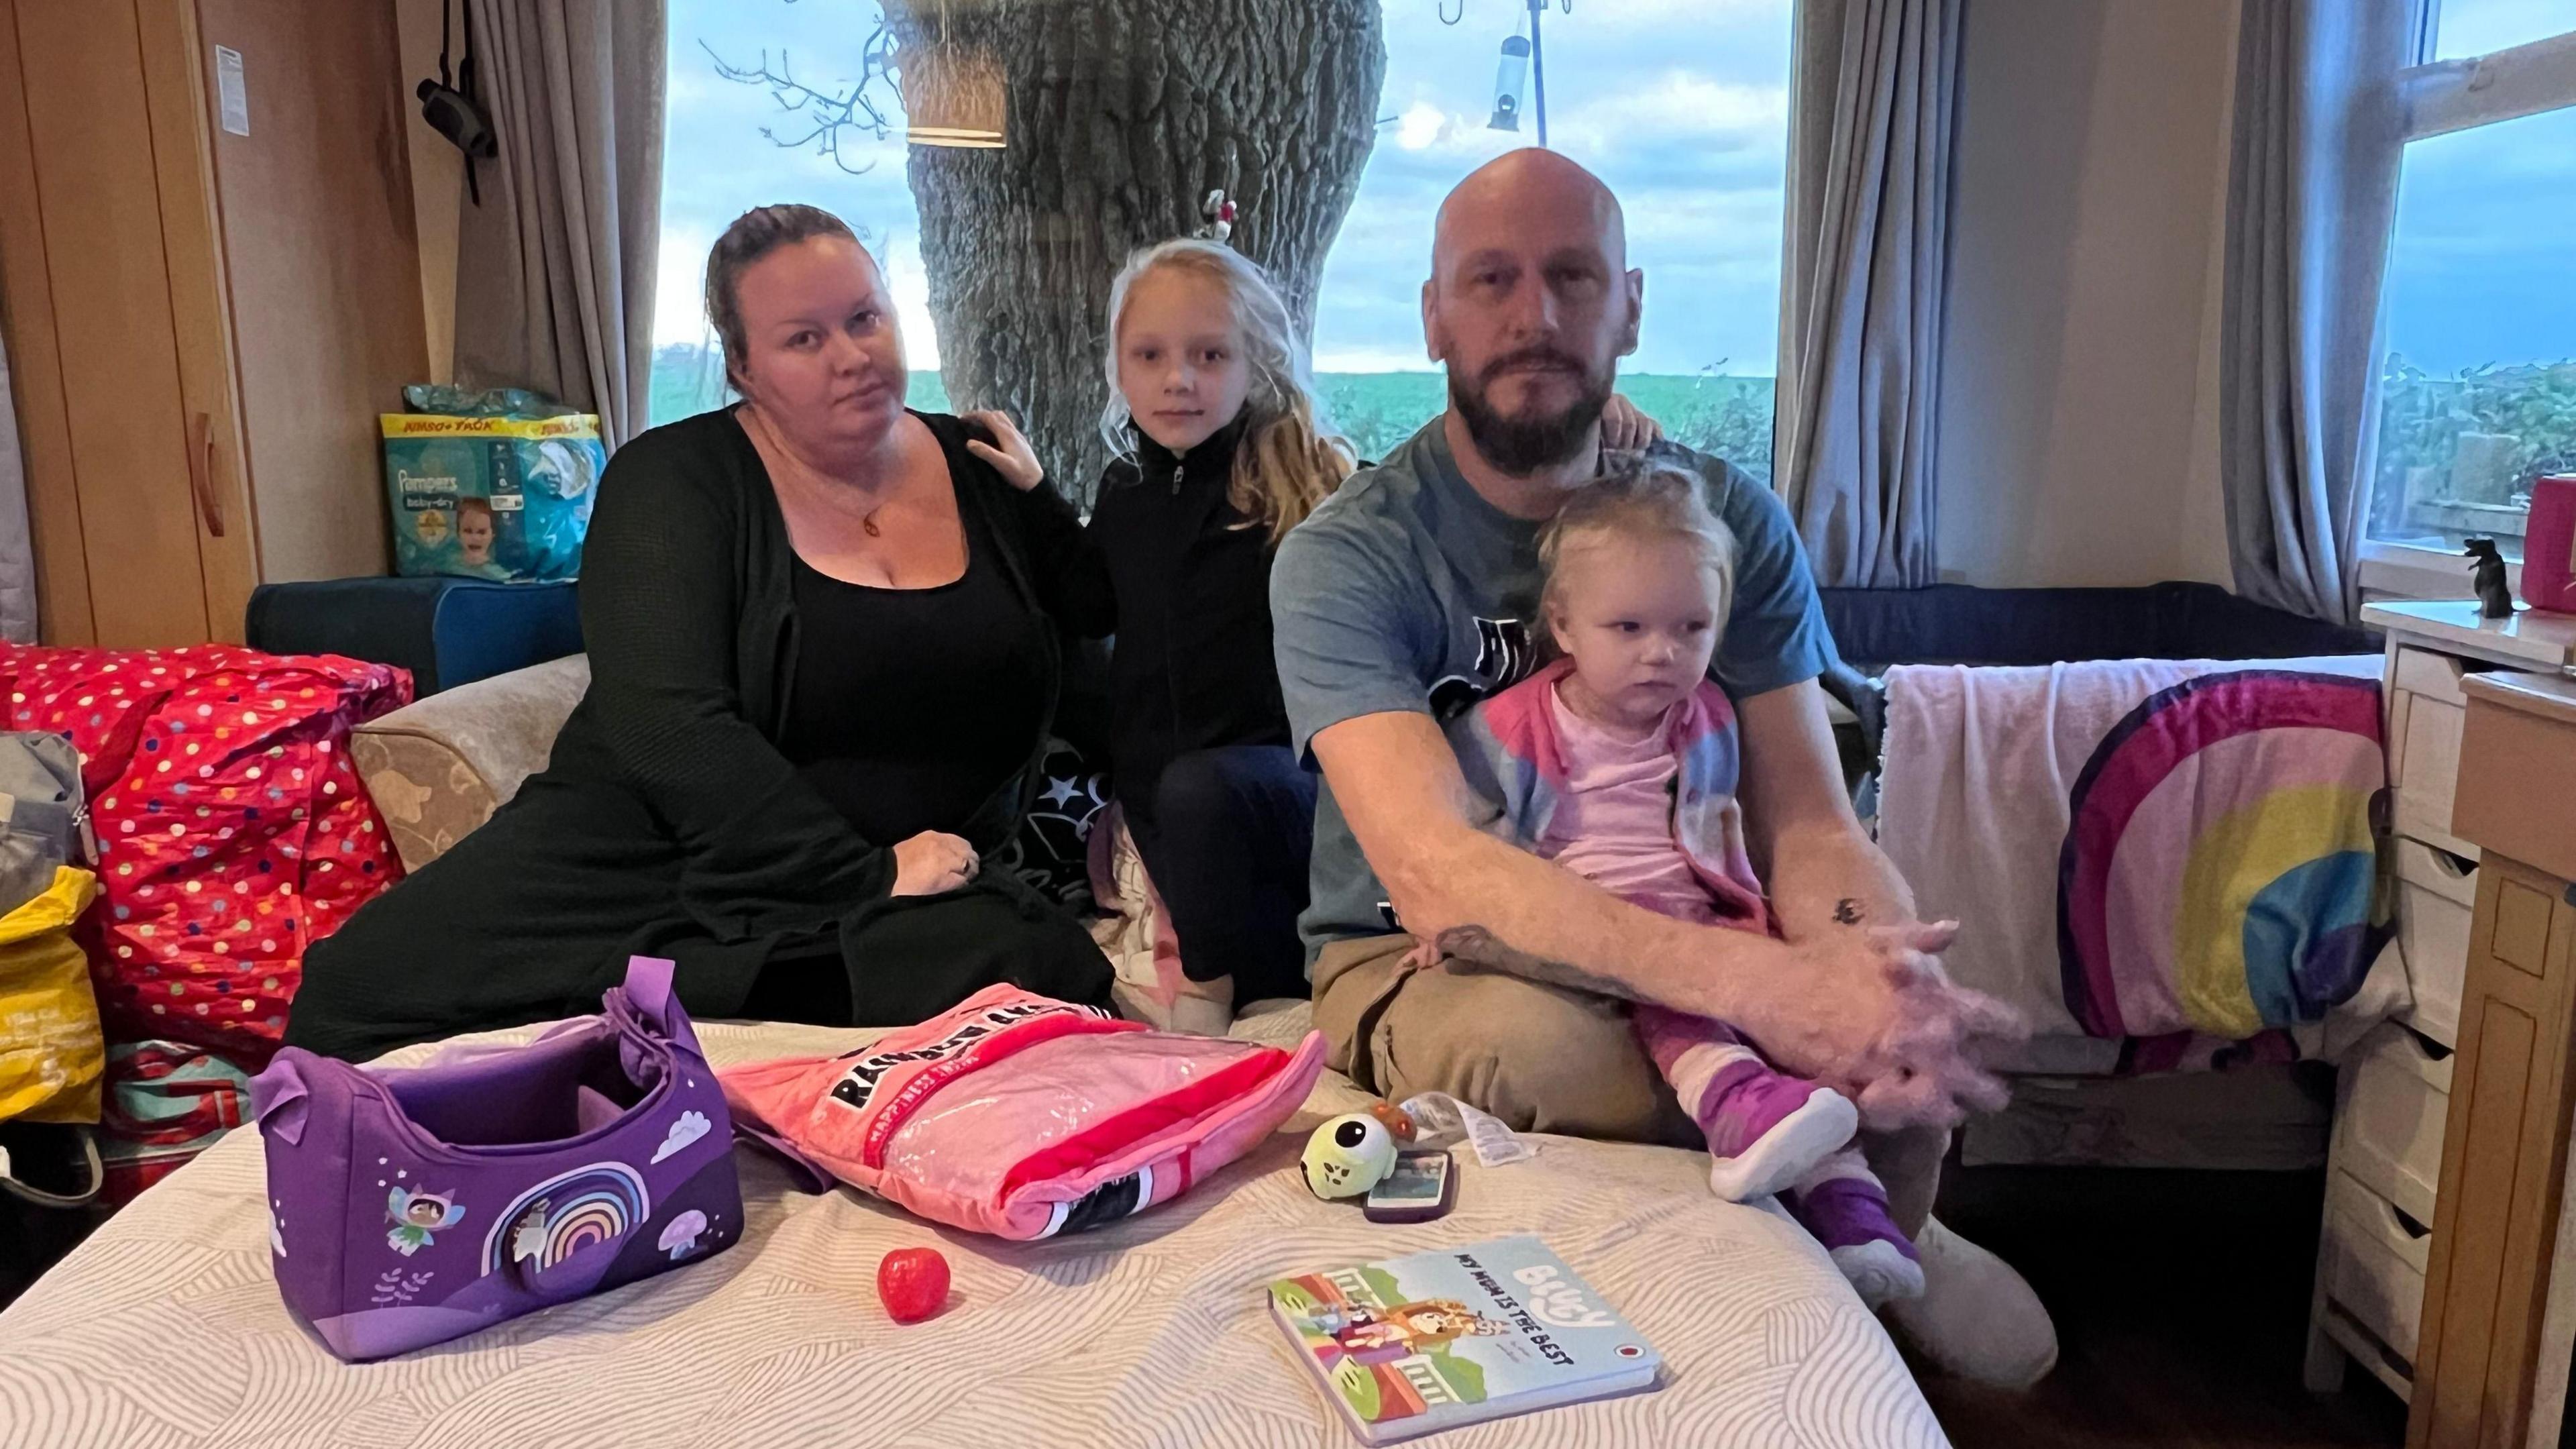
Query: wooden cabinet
[[2399, 1095], [2499, 1310], [203, 318]]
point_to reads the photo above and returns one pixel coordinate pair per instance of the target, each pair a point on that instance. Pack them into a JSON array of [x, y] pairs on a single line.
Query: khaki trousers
[[1542, 1058]]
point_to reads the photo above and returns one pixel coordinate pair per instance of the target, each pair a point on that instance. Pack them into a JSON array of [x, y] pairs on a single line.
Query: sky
[[2483, 266], [1680, 105]]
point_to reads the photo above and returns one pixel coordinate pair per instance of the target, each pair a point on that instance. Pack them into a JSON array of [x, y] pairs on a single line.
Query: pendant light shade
[[951, 98]]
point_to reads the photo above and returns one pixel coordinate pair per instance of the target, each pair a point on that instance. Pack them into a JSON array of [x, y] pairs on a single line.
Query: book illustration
[[1433, 1336], [1389, 1357]]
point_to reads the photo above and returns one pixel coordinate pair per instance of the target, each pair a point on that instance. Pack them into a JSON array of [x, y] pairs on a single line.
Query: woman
[[824, 647]]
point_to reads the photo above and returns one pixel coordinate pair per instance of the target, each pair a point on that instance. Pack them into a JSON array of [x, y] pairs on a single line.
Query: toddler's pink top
[[1613, 823]]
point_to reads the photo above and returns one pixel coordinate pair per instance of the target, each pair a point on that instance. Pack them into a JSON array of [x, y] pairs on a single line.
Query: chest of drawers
[[2396, 1110]]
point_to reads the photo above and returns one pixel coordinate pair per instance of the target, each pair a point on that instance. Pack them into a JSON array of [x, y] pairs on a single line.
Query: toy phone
[[1420, 1188]]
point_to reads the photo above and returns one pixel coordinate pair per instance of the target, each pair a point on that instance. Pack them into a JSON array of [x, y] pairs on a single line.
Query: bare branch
[[859, 105]]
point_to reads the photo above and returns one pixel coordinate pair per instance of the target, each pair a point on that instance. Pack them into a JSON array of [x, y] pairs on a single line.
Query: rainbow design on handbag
[[563, 1215], [2220, 869]]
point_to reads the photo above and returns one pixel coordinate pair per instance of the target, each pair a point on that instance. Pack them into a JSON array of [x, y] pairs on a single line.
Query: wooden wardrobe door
[[122, 484], [2503, 1166], [323, 269]]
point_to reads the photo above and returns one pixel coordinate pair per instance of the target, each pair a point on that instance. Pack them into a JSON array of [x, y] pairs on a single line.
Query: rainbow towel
[[2144, 848], [2219, 869]]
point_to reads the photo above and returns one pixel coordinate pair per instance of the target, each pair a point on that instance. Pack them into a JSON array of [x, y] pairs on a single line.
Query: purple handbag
[[409, 1206]]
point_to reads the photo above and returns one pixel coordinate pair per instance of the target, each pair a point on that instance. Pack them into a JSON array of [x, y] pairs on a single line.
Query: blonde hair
[[1639, 498], [1290, 459]]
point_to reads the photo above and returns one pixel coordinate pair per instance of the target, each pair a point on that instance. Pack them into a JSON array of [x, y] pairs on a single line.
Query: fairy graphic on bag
[[416, 1215]]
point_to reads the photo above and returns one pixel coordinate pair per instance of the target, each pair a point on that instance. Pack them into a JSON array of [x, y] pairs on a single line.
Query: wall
[[2078, 410], [437, 183]]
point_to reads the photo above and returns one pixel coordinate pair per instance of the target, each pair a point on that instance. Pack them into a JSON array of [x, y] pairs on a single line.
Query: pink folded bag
[[1022, 1116]]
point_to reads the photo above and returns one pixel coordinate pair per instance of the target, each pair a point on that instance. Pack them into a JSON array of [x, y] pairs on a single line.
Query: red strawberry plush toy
[[912, 1283]]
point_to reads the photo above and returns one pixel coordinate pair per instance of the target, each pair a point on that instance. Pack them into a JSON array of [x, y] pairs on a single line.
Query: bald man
[[1413, 593]]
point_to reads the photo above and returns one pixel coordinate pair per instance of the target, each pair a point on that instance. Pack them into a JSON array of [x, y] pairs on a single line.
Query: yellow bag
[[52, 1054]]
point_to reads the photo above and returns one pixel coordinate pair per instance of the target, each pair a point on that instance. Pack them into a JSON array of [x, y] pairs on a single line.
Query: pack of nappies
[[499, 494]]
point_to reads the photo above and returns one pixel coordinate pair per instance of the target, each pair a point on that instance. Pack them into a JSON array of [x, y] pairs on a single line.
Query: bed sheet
[[166, 1329]]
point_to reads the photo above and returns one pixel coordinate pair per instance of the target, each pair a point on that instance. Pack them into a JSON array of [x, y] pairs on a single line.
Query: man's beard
[[1520, 446]]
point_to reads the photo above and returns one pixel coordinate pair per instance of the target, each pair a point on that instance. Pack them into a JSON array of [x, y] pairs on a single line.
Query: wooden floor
[[2181, 1302]]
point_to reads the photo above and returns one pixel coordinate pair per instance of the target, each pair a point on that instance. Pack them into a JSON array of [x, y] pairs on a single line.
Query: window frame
[[2438, 98]]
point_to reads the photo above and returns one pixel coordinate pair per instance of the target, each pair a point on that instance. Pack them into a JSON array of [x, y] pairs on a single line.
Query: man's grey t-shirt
[[1407, 592]]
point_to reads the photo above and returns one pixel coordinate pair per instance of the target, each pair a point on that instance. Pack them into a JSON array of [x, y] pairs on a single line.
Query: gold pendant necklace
[[868, 525]]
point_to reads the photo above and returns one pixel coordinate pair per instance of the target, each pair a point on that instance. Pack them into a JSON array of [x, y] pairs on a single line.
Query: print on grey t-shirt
[[1407, 592], [1504, 657]]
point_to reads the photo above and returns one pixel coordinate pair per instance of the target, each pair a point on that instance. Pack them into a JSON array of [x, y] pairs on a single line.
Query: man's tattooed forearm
[[1847, 912], [1479, 947]]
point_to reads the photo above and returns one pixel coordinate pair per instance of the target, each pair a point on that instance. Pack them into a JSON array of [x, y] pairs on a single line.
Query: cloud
[[689, 1127], [1678, 108], [1421, 124]]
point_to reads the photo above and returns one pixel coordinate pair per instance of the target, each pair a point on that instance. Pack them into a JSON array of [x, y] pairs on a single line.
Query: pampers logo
[[438, 487], [859, 1083]]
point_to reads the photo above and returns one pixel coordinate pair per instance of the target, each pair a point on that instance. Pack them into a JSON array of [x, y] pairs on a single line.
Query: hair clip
[[1219, 214]]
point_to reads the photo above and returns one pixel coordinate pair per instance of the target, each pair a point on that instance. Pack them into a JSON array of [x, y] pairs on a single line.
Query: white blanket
[[1974, 808], [166, 1328]]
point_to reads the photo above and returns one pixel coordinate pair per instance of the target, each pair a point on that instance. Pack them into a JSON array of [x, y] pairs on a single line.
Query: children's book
[[1438, 1340]]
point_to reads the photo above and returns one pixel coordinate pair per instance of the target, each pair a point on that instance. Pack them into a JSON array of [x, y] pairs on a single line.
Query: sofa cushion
[[440, 767], [446, 631], [1962, 624]]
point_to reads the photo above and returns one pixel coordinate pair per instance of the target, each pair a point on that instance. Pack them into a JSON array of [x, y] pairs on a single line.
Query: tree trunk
[[1122, 115]]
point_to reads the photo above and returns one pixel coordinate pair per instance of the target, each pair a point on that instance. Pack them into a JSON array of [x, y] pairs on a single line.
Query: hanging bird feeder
[[1511, 83]]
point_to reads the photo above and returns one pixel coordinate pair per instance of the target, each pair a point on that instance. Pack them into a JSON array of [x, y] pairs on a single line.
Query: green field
[[1729, 417]]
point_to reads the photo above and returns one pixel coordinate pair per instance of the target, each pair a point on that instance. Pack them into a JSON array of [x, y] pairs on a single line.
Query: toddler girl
[[1620, 759]]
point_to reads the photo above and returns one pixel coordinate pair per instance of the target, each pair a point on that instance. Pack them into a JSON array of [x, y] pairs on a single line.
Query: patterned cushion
[[1050, 851], [439, 768]]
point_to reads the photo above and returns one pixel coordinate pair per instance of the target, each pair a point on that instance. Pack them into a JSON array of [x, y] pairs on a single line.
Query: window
[[725, 151], [2478, 395], [1680, 105], [2471, 28]]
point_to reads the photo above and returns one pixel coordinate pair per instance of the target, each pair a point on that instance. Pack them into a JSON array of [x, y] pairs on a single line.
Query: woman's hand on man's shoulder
[[1009, 452], [1625, 426]]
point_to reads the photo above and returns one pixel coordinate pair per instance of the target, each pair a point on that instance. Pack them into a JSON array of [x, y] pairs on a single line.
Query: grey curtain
[[1873, 97], [2311, 198], [17, 543], [555, 269]]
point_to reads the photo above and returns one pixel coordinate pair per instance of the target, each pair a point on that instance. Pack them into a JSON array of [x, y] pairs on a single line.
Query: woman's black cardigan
[[688, 612]]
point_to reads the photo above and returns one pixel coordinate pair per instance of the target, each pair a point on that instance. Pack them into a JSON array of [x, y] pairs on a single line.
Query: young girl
[[1218, 452], [1619, 761]]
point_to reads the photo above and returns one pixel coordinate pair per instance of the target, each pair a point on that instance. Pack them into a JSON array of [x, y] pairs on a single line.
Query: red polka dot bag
[[233, 831]]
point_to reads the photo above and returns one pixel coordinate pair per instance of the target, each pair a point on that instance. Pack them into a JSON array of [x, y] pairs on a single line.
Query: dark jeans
[[1226, 840]]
